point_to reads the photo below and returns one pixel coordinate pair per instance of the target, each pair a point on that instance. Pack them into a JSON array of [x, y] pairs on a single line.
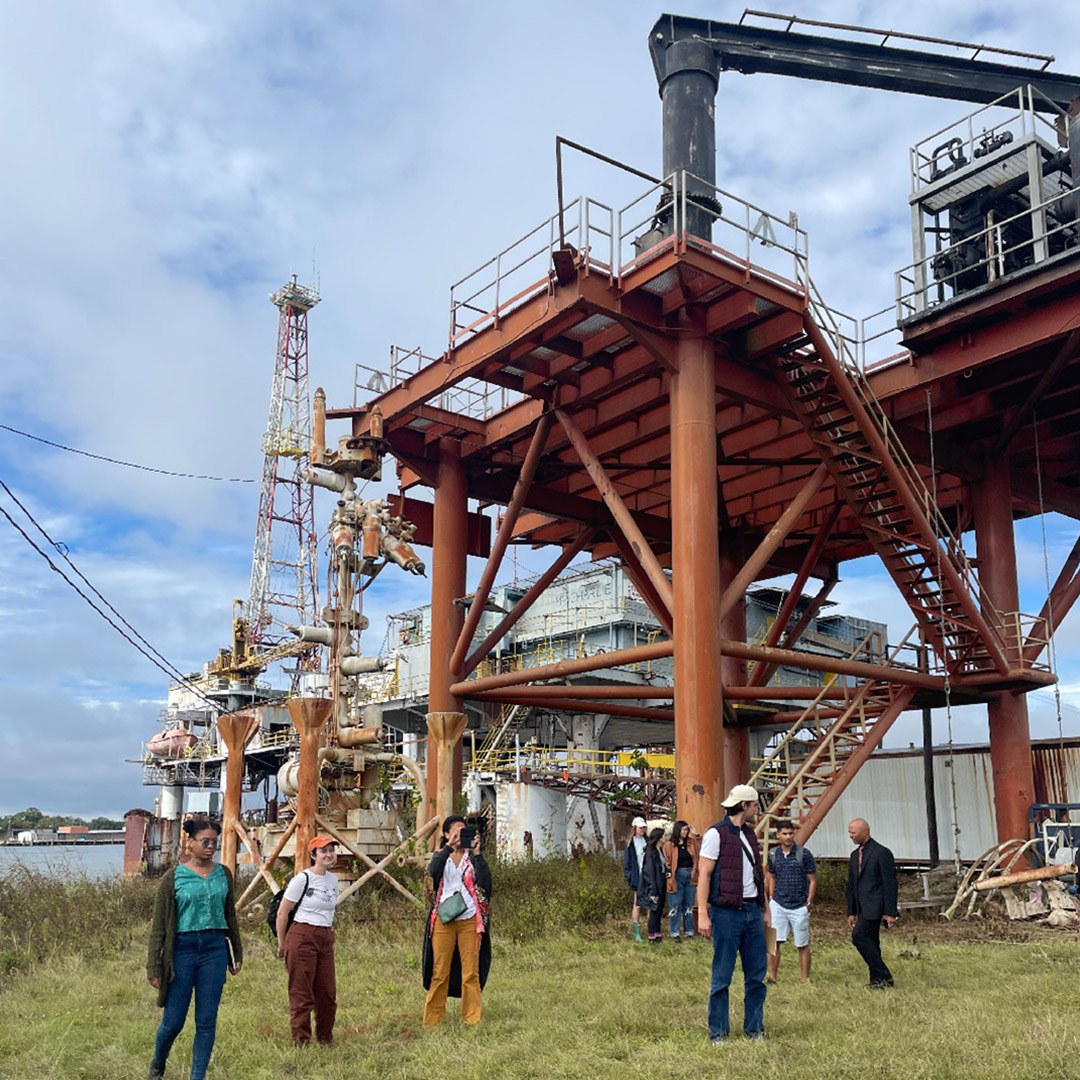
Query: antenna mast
[[284, 586]]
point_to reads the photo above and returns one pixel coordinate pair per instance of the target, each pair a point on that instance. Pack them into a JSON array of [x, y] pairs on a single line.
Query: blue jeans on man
[[681, 904], [738, 932], [200, 960]]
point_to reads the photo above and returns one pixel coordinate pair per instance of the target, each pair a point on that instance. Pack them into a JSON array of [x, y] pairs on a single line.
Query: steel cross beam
[[760, 674], [752, 50]]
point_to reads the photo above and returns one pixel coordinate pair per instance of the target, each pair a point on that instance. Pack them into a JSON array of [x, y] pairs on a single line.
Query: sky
[[168, 165]]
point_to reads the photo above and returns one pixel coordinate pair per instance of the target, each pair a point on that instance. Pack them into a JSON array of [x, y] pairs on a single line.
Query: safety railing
[[524, 268], [556, 760], [1031, 236], [983, 134], [743, 234]]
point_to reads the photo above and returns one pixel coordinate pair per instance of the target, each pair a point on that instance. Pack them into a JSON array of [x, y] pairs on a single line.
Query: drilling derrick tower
[[283, 569]]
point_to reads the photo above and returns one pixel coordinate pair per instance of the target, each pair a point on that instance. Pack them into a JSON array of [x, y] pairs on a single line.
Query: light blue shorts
[[795, 919]]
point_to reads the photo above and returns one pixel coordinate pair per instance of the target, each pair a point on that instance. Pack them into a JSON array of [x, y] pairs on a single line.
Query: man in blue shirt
[[790, 883]]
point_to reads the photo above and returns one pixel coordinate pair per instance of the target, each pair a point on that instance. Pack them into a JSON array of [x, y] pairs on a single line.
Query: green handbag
[[451, 907]]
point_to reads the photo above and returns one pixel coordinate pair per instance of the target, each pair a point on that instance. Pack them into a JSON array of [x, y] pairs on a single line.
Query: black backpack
[[798, 859], [275, 905]]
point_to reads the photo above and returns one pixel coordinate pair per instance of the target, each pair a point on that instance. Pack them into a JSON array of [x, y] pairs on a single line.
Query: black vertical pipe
[[689, 77]]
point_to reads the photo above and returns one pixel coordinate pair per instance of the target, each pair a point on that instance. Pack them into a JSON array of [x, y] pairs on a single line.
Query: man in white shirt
[[732, 911]]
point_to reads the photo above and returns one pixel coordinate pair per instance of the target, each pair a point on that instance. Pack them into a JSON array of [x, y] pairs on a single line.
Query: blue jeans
[[681, 904], [738, 931], [200, 960]]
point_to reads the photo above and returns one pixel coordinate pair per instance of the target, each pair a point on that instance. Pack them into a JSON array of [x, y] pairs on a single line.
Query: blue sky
[[171, 164]]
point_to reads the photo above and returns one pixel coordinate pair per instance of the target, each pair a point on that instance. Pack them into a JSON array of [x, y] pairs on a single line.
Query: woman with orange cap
[[307, 946]]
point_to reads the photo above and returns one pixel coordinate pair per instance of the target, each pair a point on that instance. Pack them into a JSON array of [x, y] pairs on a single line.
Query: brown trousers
[[309, 959], [445, 938]]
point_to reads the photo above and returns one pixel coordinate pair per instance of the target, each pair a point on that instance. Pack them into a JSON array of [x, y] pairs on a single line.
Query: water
[[74, 861]]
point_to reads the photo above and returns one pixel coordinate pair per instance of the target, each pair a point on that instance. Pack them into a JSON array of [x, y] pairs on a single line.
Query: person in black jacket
[[457, 947], [635, 852], [652, 886], [871, 897]]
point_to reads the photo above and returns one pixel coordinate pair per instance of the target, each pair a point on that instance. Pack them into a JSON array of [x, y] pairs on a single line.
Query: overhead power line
[[141, 645], [127, 464]]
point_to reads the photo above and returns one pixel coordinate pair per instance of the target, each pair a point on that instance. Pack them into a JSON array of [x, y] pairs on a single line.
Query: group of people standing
[[195, 939], [663, 875], [738, 898]]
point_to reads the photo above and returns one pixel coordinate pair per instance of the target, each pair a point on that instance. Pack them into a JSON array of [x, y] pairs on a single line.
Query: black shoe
[[155, 1073]]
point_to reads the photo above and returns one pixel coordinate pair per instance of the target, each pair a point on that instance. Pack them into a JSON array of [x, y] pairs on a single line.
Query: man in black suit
[[871, 897]]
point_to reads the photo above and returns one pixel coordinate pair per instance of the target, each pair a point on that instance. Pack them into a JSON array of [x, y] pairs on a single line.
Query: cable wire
[[149, 652], [126, 464]]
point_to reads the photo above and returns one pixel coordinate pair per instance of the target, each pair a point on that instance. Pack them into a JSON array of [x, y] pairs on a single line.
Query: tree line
[[33, 818]]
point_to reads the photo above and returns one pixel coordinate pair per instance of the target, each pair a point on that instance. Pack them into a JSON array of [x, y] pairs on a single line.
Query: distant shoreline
[[81, 841]]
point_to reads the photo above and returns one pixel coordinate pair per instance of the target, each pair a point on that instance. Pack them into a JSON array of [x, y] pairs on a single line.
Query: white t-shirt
[[319, 901], [710, 849], [454, 882]]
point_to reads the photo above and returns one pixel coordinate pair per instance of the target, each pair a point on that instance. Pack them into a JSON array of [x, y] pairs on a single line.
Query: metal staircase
[[511, 717], [806, 776], [884, 489]]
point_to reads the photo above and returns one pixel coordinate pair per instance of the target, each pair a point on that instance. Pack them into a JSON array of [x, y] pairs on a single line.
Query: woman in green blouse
[[194, 939]]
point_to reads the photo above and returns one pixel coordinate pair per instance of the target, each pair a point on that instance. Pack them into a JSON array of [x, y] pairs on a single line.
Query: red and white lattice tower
[[284, 567]]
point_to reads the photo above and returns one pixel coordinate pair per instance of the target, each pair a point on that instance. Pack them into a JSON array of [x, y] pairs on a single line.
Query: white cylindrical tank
[[472, 792], [172, 803], [527, 815]]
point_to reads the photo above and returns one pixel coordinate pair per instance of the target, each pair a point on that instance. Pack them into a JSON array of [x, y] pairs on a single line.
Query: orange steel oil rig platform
[[664, 383]]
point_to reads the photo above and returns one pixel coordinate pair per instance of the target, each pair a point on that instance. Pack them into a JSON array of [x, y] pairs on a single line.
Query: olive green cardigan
[[159, 962]]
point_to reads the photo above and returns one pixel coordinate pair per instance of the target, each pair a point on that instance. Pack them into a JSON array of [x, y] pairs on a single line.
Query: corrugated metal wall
[[888, 791]]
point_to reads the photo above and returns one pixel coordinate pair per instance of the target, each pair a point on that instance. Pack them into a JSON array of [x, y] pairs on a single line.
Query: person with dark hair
[[635, 852], [307, 947], [790, 884], [652, 887], [681, 854], [871, 898], [194, 940], [732, 911], [457, 932]]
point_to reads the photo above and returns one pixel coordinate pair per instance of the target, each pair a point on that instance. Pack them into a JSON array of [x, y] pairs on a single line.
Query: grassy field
[[570, 997]]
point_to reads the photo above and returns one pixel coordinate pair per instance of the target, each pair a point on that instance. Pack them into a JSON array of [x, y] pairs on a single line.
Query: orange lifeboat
[[171, 743]]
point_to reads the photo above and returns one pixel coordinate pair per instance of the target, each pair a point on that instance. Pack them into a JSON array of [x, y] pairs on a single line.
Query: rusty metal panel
[[527, 815]]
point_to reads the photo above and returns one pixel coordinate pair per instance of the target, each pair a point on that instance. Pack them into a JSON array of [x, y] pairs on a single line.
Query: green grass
[[573, 1001]]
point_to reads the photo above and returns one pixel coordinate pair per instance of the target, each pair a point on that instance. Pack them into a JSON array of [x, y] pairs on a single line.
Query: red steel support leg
[[733, 669], [236, 731], [699, 750], [309, 716], [447, 584], [1010, 740]]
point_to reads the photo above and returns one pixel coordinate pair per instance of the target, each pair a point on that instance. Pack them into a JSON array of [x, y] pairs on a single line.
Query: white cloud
[[171, 164]]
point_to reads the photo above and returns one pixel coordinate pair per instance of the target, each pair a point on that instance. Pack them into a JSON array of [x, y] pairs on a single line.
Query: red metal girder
[[639, 654], [510, 620], [1063, 595], [487, 578], [659, 606], [970, 349]]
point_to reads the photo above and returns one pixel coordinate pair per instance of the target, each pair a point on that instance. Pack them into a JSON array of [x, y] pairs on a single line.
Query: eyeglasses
[[208, 843]]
